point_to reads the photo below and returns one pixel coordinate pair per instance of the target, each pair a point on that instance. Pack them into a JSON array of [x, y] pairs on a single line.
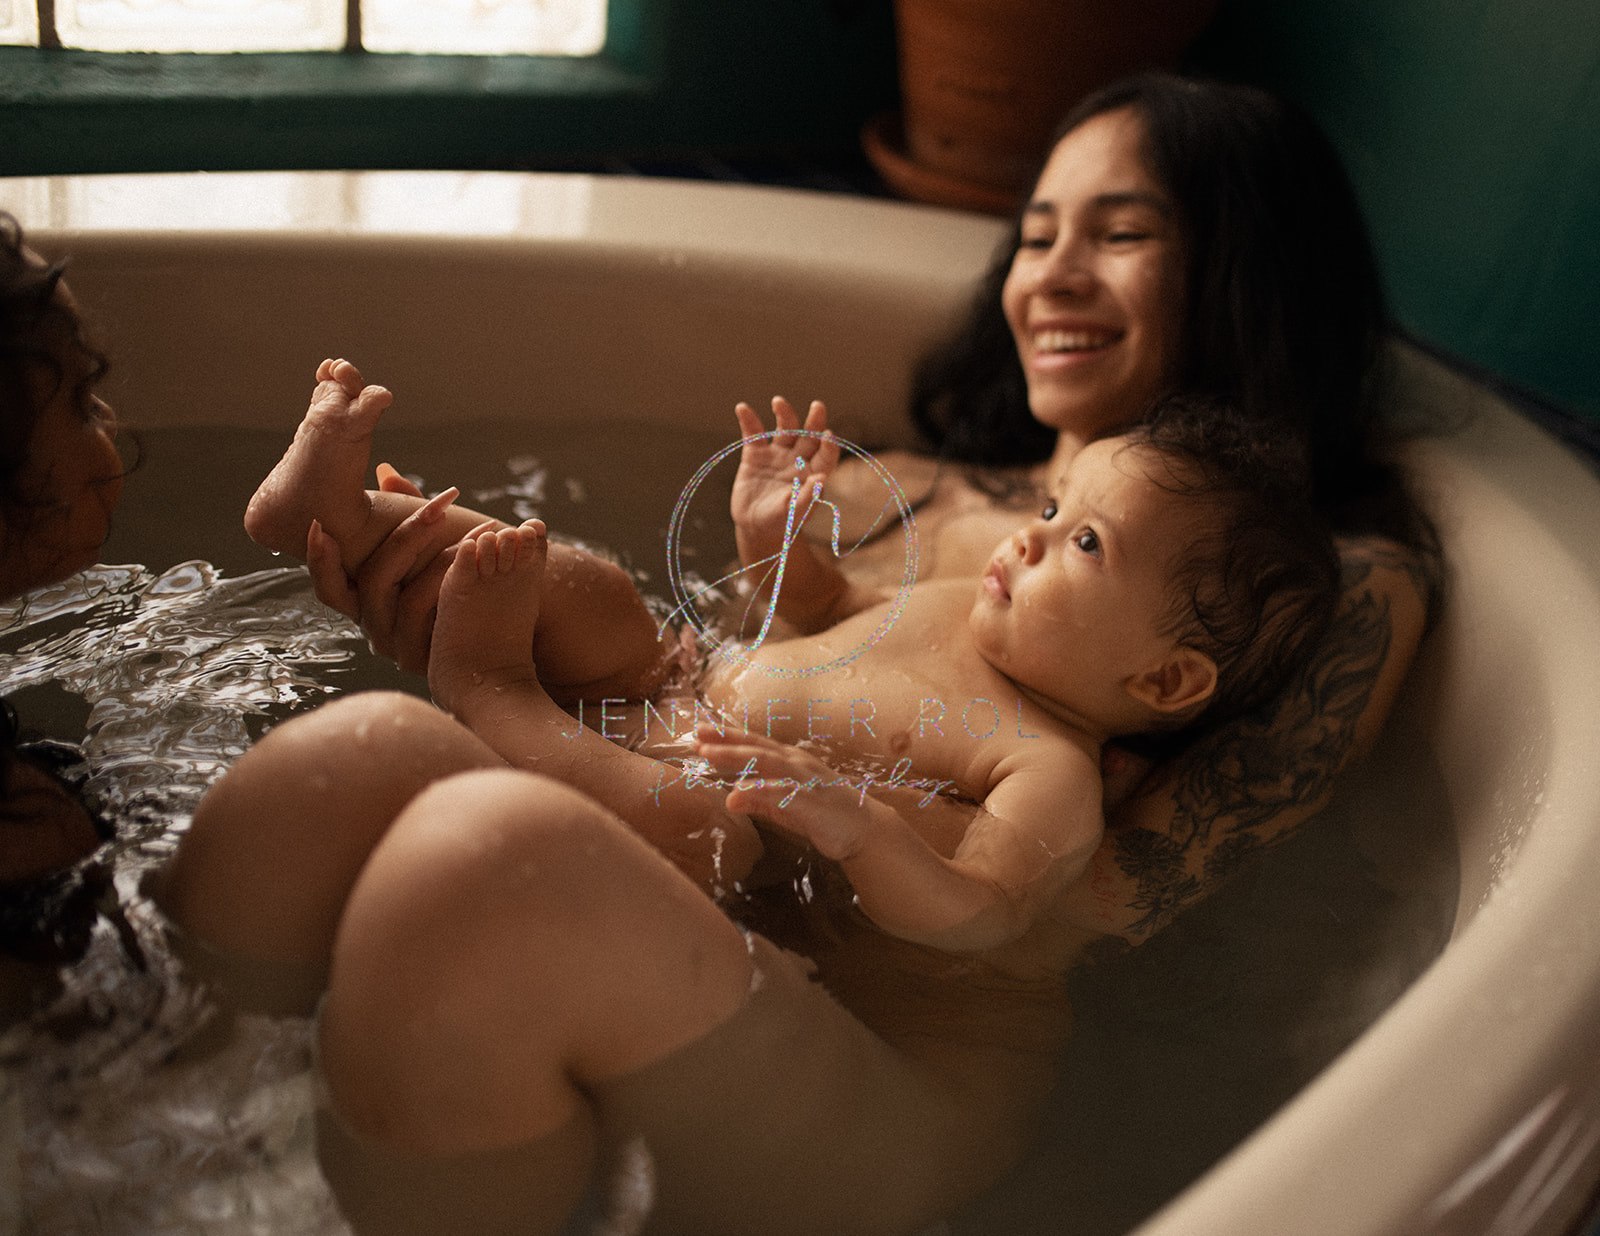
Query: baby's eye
[[1050, 510], [1038, 240], [1087, 541]]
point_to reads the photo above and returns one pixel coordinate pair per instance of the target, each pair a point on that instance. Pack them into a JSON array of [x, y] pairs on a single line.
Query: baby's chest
[[954, 533], [942, 734]]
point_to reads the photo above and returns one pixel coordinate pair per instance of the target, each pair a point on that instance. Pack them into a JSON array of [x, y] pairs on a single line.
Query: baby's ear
[[1183, 681]]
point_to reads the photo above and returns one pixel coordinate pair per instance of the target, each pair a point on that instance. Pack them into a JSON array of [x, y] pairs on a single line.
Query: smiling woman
[[1098, 217]]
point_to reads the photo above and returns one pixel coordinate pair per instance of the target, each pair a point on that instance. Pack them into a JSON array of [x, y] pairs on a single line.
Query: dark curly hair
[[38, 334], [1257, 585], [1285, 306]]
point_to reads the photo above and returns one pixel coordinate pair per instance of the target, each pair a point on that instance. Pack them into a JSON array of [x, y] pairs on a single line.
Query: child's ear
[[1185, 679]]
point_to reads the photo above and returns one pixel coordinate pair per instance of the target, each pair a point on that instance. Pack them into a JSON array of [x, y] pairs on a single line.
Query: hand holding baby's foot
[[488, 611], [322, 475]]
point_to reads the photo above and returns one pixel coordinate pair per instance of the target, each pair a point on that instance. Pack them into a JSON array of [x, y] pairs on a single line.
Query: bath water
[[123, 1110]]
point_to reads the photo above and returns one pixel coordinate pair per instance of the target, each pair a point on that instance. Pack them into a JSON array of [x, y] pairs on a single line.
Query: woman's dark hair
[[1284, 303], [38, 334]]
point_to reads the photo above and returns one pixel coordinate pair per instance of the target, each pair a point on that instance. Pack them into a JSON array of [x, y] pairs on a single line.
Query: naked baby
[[1170, 570], [520, 976]]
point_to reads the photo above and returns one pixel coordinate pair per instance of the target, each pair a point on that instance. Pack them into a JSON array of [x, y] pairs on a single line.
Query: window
[[470, 27]]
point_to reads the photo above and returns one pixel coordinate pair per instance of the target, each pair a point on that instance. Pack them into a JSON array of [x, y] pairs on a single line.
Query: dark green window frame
[[74, 111], [674, 75]]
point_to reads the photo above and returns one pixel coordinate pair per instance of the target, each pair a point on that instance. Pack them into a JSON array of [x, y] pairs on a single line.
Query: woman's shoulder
[[959, 514], [925, 482], [915, 474], [866, 491], [1380, 563]]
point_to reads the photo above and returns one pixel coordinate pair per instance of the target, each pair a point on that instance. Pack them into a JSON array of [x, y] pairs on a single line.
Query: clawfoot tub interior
[[1474, 1098]]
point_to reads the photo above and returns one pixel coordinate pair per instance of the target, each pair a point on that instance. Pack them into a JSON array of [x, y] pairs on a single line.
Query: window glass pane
[[201, 25], [19, 22], [485, 27]]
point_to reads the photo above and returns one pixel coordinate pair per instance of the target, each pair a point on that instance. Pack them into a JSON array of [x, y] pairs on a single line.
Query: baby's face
[[1069, 605]]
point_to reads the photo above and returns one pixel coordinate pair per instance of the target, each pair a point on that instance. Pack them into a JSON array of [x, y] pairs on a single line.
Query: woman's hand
[[395, 592]]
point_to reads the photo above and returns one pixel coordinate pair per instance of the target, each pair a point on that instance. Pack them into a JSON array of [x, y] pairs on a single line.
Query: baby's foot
[[488, 611], [322, 475]]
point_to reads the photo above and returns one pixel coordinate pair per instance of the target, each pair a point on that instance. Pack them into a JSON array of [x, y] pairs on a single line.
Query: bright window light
[[201, 25], [19, 22], [438, 27], [485, 27]]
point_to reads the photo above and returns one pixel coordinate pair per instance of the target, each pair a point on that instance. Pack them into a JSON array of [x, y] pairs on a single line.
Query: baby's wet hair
[[1256, 587], [39, 335]]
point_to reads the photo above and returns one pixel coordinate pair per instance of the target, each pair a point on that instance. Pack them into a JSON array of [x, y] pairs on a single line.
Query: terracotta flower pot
[[985, 82]]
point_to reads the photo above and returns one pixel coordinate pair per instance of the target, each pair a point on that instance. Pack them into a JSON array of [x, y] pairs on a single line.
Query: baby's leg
[[509, 945], [501, 617], [322, 477], [481, 670]]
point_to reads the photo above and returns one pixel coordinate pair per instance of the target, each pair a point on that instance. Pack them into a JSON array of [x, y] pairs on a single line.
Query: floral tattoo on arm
[[1245, 786]]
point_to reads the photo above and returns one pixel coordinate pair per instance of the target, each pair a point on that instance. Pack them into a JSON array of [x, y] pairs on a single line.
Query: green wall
[[1472, 131]]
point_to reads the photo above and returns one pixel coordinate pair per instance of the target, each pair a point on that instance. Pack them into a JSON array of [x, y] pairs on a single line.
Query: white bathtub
[[1473, 1103]]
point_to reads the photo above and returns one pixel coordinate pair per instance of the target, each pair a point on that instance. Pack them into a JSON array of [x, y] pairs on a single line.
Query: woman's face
[[1094, 297], [71, 483]]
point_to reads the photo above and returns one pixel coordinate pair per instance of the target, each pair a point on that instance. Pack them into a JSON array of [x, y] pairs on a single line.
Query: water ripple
[[106, 1125]]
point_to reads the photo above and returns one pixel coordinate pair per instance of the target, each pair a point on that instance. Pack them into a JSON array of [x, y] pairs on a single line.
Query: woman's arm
[[1247, 786]]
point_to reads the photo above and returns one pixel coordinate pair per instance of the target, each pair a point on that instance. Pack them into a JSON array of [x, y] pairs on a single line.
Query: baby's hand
[[780, 477], [789, 789]]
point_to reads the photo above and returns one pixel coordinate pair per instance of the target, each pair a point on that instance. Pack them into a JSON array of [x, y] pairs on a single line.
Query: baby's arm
[[779, 485], [1035, 833]]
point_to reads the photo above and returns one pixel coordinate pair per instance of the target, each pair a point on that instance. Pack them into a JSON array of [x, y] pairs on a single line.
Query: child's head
[[1176, 570], [60, 473]]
